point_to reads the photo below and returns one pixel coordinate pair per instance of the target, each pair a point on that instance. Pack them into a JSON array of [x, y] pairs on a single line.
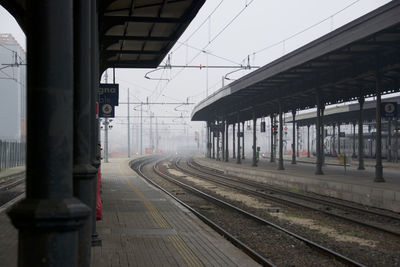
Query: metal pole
[[223, 140], [396, 138], [294, 137], [141, 128], [129, 129], [308, 141], [49, 217], [318, 170], [218, 131], [213, 142], [84, 174], [298, 142], [378, 149], [272, 159], [226, 141], [389, 139], [280, 166], [354, 140], [360, 135], [254, 140], [238, 160], [338, 138], [243, 140], [233, 140]]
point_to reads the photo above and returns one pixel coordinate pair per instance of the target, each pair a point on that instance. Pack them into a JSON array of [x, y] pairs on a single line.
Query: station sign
[[389, 109], [108, 99]]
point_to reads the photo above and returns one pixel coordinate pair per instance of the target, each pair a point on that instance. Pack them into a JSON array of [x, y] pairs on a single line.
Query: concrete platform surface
[[350, 184], [143, 226]]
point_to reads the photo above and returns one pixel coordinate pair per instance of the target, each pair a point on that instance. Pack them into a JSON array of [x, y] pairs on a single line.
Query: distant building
[[12, 89]]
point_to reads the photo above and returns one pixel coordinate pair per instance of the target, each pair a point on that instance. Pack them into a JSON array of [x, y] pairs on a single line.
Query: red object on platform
[[99, 205]]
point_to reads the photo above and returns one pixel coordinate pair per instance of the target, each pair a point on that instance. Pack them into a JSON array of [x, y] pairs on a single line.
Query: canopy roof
[[339, 66]]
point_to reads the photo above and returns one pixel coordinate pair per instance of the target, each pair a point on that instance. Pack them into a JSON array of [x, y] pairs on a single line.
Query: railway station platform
[[350, 184], [142, 226]]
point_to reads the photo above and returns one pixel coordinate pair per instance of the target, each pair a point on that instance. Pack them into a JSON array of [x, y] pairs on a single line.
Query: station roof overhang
[[346, 114], [132, 33], [340, 66]]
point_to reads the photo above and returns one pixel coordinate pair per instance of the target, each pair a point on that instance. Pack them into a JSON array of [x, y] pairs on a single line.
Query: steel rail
[[293, 195], [220, 202], [253, 254]]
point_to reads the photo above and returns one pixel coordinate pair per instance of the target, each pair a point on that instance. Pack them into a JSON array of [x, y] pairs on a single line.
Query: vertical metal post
[[84, 174], [308, 141], [218, 148], [354, 140], [280, 166], [360, 135], [396, 139], [129, 128], [294, 137], [226, 141], [49, 217], [389, 139], [322, 134], [378, 149], [298, 142], [223, 139], [338, 138], [334, 139], [243, 140], [318, 170], [213, 142], [254, 140], [233, 141], [238, 161], [141, 128], [272, 159]]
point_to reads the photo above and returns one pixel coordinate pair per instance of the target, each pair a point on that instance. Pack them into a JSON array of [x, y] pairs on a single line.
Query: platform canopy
[[339, 66], [132, 33]]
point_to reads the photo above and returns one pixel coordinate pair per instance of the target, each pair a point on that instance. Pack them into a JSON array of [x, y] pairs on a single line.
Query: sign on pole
[[389, 109], [108, 99]]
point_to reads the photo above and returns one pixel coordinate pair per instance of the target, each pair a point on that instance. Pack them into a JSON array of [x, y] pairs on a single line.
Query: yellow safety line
[[186, 253]]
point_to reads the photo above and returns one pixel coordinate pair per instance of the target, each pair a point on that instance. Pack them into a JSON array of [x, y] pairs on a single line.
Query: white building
[[12, 89]]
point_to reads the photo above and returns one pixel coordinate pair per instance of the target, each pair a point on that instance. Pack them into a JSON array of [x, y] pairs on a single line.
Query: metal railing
[[12, 154]]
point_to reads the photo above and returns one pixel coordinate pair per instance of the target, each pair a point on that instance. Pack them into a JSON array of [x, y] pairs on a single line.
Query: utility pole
[[156, 133], [129, 131]]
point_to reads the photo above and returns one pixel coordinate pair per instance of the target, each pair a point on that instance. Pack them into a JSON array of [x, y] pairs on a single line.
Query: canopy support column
[[280, 166], [49, 217], [378, 149], [294, 137], [238, 161], [361, 101], [254, 140]]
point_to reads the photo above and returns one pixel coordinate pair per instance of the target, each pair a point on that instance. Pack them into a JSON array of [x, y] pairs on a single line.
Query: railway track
[[247, 218], [367, 217], [11, 191]]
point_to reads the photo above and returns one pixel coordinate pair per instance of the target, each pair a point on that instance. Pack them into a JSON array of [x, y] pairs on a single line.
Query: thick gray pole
[[226, 141], [84, 174], [49, 217], [334, 138], [308, 141], [223, 140], [396, 140], [318, 170], [213, 143], [141, 129], [272, 159], [322, 134], [233, 141], [378, 149], [294, 137], [280, 166], [218, 148], [238, 160], [254, 140], [354, 140], [338, 138], [129, 129], [243, 140], [360, 135], [389, 139]]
